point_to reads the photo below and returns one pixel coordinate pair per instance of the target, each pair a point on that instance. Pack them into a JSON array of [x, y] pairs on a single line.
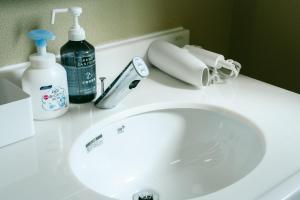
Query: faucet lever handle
[[102, 79]]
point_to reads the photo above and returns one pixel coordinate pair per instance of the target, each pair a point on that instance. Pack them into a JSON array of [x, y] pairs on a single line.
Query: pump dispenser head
[[41, 59], [40, 38], [76, 32]]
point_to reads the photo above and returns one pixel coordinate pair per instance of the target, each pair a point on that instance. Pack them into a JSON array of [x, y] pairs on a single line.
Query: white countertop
[[38, 168]]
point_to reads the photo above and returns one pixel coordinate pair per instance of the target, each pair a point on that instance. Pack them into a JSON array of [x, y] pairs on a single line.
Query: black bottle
[[78, 58]]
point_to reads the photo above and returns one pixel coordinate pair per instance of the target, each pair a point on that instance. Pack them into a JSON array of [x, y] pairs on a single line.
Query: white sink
[[180, 153]]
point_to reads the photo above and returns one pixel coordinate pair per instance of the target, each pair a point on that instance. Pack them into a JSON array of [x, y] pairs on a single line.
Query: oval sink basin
[[180, 153]]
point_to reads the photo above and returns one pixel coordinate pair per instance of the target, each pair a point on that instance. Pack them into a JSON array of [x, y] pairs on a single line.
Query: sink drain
[[145, 195]]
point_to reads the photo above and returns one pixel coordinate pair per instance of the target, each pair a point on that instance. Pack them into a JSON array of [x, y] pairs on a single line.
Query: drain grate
[[145, 195], [150, 197]]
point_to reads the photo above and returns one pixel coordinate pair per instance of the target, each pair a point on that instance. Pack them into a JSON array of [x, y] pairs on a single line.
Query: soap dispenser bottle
[[45, 80], [78, 58]]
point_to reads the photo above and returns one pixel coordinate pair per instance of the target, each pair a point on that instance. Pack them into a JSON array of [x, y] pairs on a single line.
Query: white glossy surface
[[289, 189], [180, 153], [48, 175], [38, 168]]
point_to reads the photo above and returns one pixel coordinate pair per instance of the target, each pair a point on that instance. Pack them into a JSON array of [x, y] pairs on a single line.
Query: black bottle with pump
[[78, 58]]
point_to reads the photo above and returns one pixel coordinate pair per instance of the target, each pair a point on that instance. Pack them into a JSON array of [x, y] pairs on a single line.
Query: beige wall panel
[[109, 20]]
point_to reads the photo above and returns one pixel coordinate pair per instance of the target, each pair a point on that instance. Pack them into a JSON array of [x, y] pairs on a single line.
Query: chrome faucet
[[128, 79]]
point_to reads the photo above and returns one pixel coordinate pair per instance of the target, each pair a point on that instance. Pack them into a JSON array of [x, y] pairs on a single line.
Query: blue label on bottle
[[82, 76]]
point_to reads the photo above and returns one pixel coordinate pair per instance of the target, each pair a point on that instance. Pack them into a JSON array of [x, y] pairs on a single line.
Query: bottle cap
[[40, 38]]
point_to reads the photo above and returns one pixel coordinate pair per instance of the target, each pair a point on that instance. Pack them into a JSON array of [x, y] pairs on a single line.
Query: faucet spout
[[127, 80]]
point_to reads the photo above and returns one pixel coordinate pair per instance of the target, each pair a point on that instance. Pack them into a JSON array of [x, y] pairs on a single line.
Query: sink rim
[[139, 110], [132, 111]]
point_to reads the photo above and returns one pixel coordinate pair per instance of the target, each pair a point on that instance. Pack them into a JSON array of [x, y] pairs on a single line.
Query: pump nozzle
[[76, 32], [55, 11], [40, 38]]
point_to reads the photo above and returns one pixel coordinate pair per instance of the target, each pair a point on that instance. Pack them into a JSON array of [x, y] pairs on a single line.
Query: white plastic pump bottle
[[45, 80]]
